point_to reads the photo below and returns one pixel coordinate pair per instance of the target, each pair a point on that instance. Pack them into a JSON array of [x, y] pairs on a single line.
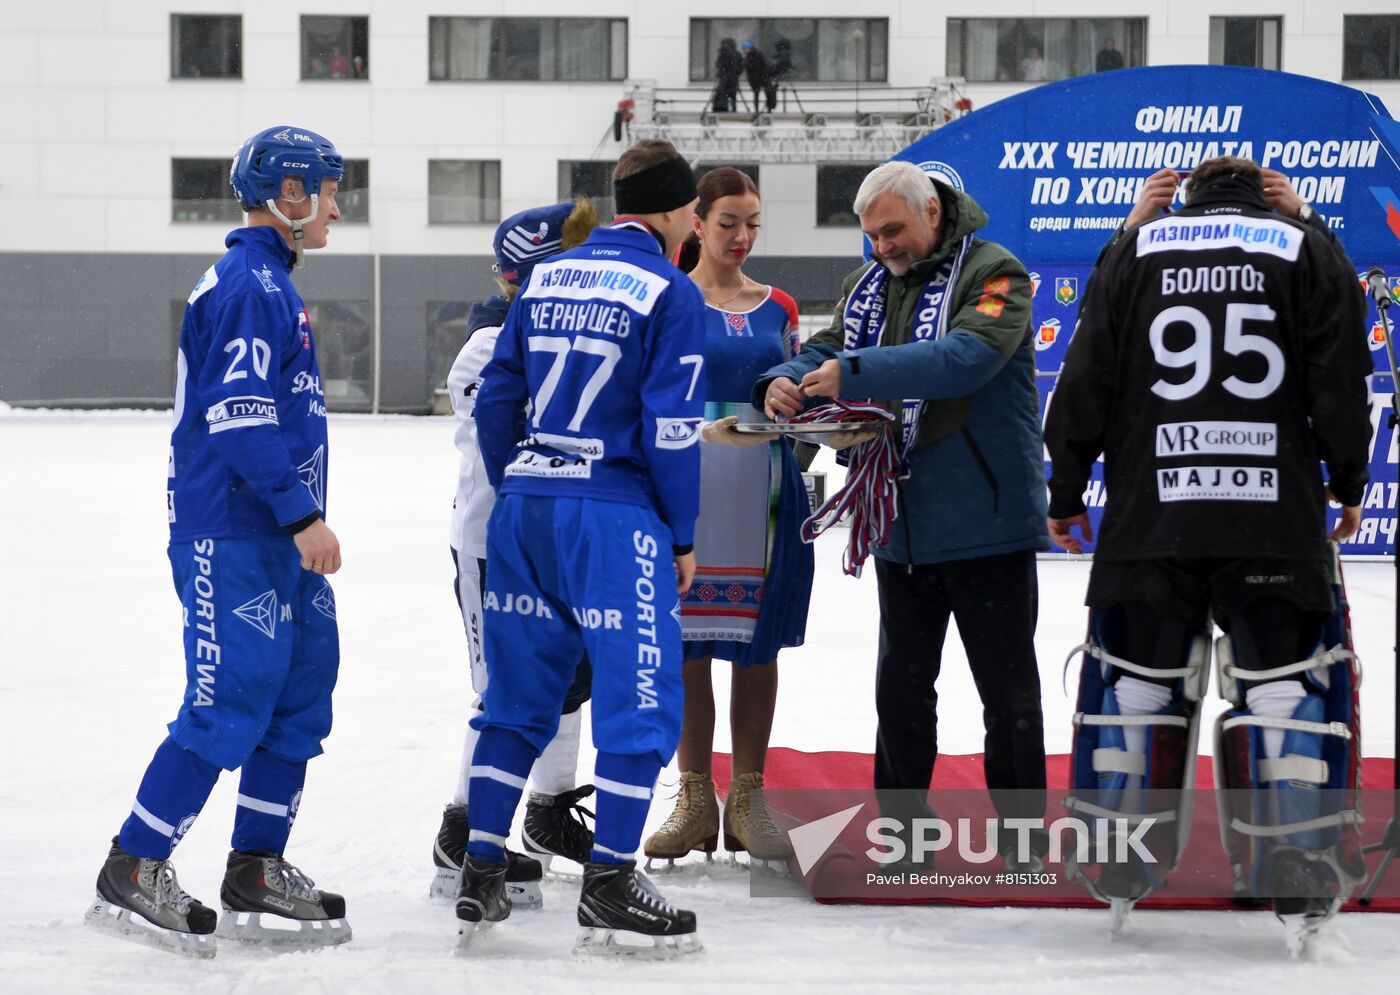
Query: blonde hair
[[577, 226]]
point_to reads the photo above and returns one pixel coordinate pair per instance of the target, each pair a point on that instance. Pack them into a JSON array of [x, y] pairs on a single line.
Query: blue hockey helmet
[[527, 238], [275, 153]]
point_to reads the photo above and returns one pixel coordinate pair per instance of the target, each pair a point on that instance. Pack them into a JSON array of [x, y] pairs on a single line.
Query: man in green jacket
[[937, 326]]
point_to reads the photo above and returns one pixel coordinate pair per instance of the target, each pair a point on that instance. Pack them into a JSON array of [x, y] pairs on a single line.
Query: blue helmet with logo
[[275, 153], [527, 238]]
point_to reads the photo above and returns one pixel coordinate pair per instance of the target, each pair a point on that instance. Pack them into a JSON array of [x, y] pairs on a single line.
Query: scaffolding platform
[[812, 122]]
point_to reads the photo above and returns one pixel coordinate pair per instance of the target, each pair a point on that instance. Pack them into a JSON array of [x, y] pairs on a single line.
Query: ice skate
[[1121, 885], [523, 873], [1118, 911], [1011, 862], [748, 826], [692, 825], [481, 900], [555, 827], [621, 914], [1302, 901], [140, 899], [267, 900]]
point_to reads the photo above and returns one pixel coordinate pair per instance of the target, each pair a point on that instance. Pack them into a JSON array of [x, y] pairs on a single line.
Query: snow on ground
[[90, 671]]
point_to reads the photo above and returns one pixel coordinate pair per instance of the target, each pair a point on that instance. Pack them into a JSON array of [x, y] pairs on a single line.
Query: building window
[[353, 192], [334, 47], [463, 192], [527, 48], [447, 330], [200, 191], [1246, 41], [590, 178], [797, 49], [1034, 50], [837, 184], [344, 352], [206, 46], [1371, 47]]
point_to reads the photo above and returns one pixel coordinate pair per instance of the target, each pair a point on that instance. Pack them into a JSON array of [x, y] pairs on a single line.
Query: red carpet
[[793, 769]]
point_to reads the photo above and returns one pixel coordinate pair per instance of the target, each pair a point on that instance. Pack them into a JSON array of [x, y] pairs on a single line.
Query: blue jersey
[[606, 344], [248, 450]]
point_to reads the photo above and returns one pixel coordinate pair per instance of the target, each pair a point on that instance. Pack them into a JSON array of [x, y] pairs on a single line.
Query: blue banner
[[1057, 169]]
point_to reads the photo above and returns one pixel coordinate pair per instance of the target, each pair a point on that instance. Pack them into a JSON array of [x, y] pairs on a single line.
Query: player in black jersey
[[1218, 365]]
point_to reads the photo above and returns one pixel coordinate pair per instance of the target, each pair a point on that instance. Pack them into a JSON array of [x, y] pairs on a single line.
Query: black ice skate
[[481, 900], [555, 826], [523, 873], [139, 899], [1122, 884], [619, 906], [267, 900], [1302, 898], [1033, 864]]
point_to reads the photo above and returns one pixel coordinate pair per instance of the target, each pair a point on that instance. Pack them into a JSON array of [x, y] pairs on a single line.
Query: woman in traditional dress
[[754, 578]]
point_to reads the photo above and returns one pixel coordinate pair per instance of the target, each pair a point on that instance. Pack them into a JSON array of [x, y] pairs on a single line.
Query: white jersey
[[475, 496]]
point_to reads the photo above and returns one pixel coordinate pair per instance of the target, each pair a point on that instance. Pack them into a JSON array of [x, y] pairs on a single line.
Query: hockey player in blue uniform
[[598, 491], [249, 551], [555, 823]]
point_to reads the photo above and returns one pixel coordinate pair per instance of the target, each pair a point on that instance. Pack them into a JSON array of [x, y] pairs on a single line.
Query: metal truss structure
[[813, 122]]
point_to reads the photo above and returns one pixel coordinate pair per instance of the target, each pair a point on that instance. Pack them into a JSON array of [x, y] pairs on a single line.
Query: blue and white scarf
[[864, 323]]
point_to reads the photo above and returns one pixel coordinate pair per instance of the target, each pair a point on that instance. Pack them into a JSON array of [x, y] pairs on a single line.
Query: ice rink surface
[[90, 670]]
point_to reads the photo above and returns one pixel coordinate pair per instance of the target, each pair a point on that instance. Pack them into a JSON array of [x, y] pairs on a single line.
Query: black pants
[[725, 97], [1273, 609], [994, 600], [770, 95]]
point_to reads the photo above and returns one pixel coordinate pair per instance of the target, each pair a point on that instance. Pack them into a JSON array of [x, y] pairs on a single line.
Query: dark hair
[[720, 182], [1224, 165], [643, 155]]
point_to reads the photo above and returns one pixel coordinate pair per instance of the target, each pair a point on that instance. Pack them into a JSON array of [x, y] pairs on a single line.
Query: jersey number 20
[[262, 359]]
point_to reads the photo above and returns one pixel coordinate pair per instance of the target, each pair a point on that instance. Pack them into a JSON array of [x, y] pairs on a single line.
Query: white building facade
[[119, 118]]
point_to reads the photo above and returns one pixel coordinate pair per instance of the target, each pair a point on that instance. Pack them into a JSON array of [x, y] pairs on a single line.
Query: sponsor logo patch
[[1066, 289], [677, 433], [594, 280], [567, 445], [1219, 438], [1274, 238], [186, 824], [1217, 483], [240, 412], [264, 276], [261, 613], [313, 476], [1047, 333], [532, 464], [324, 601]]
